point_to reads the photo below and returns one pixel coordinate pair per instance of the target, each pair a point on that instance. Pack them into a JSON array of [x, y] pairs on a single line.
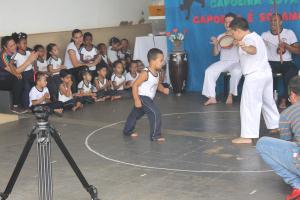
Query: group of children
[[47, 81]]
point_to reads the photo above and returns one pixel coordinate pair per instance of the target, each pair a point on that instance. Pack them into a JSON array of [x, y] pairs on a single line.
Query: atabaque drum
[[178, 70]]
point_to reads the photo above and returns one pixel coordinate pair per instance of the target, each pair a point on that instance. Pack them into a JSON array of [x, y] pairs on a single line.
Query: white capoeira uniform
[[257, 95], [229, 62]]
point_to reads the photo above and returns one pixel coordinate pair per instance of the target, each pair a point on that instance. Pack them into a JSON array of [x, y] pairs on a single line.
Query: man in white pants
[[229, 62], [257, 92]]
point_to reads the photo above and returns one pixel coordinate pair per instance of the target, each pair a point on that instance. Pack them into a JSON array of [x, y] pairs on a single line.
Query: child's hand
[[62, 67], [138, 103], [18, 75], [47, 96], [166, 91]]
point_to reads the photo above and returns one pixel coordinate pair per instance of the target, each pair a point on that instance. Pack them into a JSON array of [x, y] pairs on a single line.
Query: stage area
[[197, 162]]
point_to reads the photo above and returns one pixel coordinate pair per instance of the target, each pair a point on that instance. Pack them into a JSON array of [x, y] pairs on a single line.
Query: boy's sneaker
[[18, 110], [295, 195]]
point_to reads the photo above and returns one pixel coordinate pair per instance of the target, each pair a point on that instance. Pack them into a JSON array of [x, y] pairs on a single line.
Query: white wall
[[38, 16]]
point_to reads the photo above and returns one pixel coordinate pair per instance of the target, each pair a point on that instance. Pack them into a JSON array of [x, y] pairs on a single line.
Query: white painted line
[[162, 168]]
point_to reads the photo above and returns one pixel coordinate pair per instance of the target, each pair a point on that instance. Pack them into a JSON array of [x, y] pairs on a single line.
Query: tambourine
[[226, 42]]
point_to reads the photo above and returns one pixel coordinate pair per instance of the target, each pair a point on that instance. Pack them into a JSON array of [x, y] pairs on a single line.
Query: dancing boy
[[257, 92], [143, 91]]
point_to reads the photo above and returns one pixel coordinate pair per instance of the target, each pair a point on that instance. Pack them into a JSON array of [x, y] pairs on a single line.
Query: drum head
[[226, 42]]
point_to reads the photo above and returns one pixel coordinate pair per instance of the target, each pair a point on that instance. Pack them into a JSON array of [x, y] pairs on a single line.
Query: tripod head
[[41, 113]]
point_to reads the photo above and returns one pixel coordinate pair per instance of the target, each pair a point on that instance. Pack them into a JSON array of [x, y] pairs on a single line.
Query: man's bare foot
[[134, 135], [242, 141], [274, 131], [210, 101], [282, 104], [229, 100]]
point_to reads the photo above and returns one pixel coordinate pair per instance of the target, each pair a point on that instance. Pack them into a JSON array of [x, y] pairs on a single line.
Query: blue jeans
[[154, 116], [278, 154]]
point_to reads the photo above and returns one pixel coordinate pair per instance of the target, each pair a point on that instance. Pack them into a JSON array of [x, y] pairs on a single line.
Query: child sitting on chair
[[65, 94], [39, 95]]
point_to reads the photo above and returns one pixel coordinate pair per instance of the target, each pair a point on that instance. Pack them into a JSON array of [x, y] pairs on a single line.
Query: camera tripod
[[43, 132]]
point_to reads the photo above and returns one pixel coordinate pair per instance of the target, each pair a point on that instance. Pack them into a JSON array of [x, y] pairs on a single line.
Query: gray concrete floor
[[193, 164]]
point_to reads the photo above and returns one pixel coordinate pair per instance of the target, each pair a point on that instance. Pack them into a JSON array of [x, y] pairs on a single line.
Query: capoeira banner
[[203, 19]]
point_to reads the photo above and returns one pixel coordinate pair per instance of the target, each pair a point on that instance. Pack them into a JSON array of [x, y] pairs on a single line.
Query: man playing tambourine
[[229, 62]]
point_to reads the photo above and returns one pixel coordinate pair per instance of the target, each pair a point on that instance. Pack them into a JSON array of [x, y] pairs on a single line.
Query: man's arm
[[293, 48], [249, 49], [215, 43]]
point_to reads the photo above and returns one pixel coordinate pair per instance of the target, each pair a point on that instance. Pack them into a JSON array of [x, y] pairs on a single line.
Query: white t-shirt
[[118, 80], [101, 83], [35, 94], [258, 61], [112, 55], [272, 42], [42, 66], [88, 55], [105, 58], [55, 64], [149, 87], [68, 63], [130, 78], [19, 59], [228, 54], [63, 98], [85, 88]]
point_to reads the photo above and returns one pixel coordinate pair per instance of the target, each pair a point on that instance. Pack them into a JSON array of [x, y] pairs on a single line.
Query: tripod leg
[[90, 188], [19, 165]]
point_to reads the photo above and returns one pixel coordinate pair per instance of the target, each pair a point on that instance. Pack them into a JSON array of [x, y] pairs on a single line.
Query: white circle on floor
[[162, 168]]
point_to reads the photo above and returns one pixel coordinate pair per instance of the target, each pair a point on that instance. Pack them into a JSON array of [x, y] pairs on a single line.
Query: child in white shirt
[[118, 79], [89, 53], [85, 88], [65, 93], [132, 75], [39, 95], [103, 85], [24, 60], [41, 62]]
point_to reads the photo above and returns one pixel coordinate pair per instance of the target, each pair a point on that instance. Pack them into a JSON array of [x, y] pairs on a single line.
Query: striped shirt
[[289, 124], [4, 62]]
